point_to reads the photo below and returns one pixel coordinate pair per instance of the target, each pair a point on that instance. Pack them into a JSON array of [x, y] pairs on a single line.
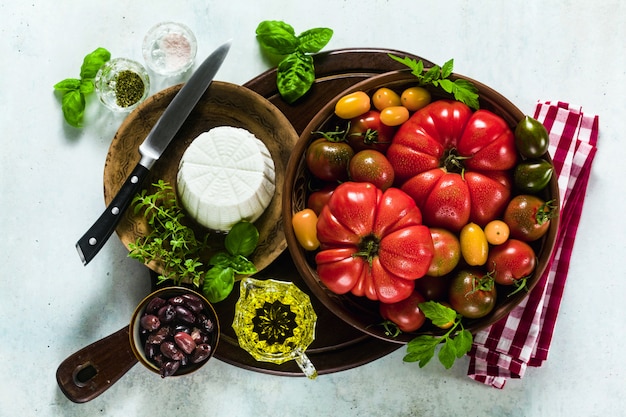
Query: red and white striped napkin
[[505, 349]]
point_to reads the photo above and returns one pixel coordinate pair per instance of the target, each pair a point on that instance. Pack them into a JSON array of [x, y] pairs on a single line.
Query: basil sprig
[[240, 242], [296, 71], [75, 89]]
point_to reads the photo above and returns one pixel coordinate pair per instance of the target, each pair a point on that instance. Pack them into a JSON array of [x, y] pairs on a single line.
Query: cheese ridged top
[[226, 175]]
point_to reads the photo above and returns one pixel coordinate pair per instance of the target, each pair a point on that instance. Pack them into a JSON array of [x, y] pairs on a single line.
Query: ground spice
[[129, 88]]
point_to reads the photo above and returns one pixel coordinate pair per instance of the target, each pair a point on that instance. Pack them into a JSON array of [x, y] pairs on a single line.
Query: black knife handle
[[95, 238]]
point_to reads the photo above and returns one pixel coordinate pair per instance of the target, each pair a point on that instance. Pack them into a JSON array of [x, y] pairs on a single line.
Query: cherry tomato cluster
[[477, 183]]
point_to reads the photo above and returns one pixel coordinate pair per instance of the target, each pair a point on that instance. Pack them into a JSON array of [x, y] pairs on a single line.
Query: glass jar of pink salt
[[169, 48]]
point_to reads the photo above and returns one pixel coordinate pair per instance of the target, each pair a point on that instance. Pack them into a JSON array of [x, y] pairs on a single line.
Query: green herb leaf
[[86, 86], [439, 314], [242, 239], [462, 90], [295, 76], [242, 265], [446, 70], [93, 61], [73, 106], [74, 89], [462, 342], [467, 93], [218, 283], [421, 349], [295, 72], [314, 40], [277, 37], [220, 259], [68, 84], [455, 343]]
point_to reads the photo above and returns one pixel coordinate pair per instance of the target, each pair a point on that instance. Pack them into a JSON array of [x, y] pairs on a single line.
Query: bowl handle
[[92, 370]]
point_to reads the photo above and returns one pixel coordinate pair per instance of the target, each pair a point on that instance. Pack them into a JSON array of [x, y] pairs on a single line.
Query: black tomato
[[531, 138], [532, 176], [328, 160]]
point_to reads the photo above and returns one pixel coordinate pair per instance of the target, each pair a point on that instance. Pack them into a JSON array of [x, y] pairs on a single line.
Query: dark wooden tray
[[337, 346]]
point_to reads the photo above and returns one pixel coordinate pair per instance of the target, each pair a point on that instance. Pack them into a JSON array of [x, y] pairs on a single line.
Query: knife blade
[[150, 151]]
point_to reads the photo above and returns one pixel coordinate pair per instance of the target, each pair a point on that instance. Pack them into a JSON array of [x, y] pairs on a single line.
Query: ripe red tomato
[[328, 160], [367, 132], [472, 294], [318, 199], [511, 261], [371, 166], [528, 217], [447, 135], [372, 238], [447, 252], [443, 198], [405, 314]]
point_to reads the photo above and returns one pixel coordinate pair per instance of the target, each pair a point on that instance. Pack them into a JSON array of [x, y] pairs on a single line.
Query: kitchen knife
[[150, 150]]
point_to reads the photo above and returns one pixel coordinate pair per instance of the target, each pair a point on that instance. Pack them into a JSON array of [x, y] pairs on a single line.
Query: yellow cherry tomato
[[394, 115], [304, 225], [414, 98], [497, 232], [353, 105], [474, 246], [385, 97]]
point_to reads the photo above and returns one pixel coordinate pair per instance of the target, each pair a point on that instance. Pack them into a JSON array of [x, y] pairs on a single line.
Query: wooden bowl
[[222, 104], [358, 311]]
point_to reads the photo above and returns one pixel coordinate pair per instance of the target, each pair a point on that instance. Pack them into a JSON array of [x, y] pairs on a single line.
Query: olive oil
[[275, 322]]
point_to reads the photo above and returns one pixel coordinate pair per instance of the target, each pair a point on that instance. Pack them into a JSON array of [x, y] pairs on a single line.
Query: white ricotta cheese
[[226, 175]]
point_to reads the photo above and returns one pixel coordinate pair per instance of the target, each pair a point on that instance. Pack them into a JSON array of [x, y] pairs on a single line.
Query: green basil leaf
[[242, 239], [242, 266], [67, 84], [277, 37], [73, 106], [295, 76], [221, 260], [86, 86], [218, 284], [313, 40], [93, 62]]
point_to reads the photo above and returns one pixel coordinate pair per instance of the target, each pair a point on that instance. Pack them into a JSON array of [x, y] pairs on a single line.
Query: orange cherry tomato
[[352, 105], [304, 225], [394, 115], [414, 98], [497, 232], [385, 97]]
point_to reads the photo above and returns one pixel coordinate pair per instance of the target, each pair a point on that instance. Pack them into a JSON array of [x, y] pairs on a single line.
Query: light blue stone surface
[[51, 191]]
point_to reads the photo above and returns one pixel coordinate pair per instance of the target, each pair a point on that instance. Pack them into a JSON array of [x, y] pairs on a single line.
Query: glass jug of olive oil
[[275, 322]]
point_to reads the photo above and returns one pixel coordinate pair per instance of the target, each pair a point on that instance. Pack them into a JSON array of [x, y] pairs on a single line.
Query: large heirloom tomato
[[455, 163], [373, 243]]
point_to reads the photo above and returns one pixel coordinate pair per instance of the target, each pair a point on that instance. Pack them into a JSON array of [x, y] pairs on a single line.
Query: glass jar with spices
[[122, 84], [169, 48]]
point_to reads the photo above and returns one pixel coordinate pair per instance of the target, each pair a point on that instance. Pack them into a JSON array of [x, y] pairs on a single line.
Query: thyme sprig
[[170, 242]]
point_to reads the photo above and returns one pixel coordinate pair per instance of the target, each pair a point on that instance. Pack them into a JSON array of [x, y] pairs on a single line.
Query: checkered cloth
[[521, 339]]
